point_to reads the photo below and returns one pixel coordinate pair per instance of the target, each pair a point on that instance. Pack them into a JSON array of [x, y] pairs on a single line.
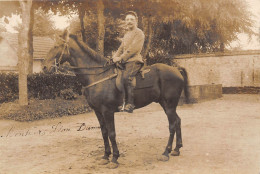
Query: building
[[9, 47]]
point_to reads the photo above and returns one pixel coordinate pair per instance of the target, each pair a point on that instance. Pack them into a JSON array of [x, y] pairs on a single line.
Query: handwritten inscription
[[82, 127], [56, 128]]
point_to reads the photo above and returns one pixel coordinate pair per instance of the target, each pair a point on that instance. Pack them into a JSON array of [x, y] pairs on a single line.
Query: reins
[[99, 81], [104, 67]]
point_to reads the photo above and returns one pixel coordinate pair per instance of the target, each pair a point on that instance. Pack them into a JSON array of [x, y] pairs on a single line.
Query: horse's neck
[[91, 53], [91, 71], [88, 58]]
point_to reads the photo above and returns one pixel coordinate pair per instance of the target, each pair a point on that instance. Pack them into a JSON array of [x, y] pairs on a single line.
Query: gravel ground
[[219, 136]]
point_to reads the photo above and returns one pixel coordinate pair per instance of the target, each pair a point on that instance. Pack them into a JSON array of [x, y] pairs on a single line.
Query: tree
[[206, 26], [42, 24], [114, 29], [25, 39], [16, 7], [100, 27], [23, 51], [7, 8]]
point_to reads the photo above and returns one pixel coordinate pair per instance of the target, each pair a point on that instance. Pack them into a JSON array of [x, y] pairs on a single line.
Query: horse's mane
[[93, 54]]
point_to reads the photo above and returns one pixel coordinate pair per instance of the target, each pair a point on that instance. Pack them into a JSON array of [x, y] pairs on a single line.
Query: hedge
[[40, 86], [43, 109]]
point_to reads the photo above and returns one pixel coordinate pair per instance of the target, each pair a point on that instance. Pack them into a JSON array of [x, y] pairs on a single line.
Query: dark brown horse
[[104, 97]]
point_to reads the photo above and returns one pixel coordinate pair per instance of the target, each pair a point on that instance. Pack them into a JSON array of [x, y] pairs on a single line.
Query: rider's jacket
[[131, 46]]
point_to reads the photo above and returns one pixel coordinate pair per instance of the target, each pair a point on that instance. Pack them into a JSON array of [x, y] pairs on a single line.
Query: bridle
[[104, 67], [66, 47]]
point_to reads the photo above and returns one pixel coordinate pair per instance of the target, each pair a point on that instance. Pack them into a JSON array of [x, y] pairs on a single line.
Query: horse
[[98, 78]]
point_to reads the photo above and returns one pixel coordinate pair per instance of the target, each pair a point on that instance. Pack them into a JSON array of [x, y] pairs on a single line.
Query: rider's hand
[[116, 59]]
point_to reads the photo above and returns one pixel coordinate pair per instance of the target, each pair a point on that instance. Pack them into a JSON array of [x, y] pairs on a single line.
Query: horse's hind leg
[[174, 124], [105, 158], [176, 151]]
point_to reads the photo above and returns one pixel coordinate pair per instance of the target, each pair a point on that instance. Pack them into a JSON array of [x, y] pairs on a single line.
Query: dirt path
[[220, 136]]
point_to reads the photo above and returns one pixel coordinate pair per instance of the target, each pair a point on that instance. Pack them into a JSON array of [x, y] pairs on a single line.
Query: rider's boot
[[130, 99]]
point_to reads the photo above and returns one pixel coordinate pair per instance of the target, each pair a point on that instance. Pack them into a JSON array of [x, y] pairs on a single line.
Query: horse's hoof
[[102, 157], [99, 158], [163, 158], [103, 162], [175, 153], [112, 165]]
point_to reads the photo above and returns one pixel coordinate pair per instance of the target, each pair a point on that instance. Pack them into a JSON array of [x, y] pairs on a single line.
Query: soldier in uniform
[[129, 54]]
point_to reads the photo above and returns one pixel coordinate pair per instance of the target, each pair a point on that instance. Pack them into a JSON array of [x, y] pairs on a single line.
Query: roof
[[41, 45]]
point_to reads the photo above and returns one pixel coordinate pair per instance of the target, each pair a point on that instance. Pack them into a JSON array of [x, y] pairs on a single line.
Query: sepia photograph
[[129, 86]]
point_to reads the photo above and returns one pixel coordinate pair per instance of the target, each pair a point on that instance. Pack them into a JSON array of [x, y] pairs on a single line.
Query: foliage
[[8, 87], [40, 86], [42, 109], [114, 29], [7, 8], [68, 94], [178, 26], [202, 26], [43, 25]]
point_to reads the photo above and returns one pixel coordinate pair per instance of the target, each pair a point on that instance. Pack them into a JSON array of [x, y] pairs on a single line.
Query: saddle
[[143, 78]]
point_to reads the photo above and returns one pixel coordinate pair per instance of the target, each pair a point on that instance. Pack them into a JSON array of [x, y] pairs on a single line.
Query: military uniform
[[131, 46], [129, 53]]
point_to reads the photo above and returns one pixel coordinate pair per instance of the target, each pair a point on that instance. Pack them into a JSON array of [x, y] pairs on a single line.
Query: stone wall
[[200, 93], [238, 69]]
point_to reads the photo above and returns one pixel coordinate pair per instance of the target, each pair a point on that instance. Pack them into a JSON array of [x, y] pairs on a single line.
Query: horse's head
[[70, 49], [59, 54]]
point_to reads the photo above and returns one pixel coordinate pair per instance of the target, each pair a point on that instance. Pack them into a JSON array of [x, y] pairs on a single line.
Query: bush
[[8, 87], [40, 86], [43, 109], [68, 94]]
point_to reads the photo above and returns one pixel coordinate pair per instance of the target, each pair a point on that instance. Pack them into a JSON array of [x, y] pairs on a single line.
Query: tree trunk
[[149, 39], [222, 47], [30, 40], [23, 51], [81, 19], [101, 27]]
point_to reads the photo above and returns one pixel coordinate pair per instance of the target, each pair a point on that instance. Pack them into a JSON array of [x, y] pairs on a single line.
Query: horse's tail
[[186, 83]]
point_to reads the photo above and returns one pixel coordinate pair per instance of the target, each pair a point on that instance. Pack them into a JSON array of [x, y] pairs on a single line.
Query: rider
[[129, 54]]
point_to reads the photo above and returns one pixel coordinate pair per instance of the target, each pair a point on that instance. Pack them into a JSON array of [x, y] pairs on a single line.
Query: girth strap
[[99, 81]]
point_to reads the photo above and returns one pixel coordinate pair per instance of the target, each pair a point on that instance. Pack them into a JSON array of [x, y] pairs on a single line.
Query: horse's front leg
[[105, 159], [110, 124]]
